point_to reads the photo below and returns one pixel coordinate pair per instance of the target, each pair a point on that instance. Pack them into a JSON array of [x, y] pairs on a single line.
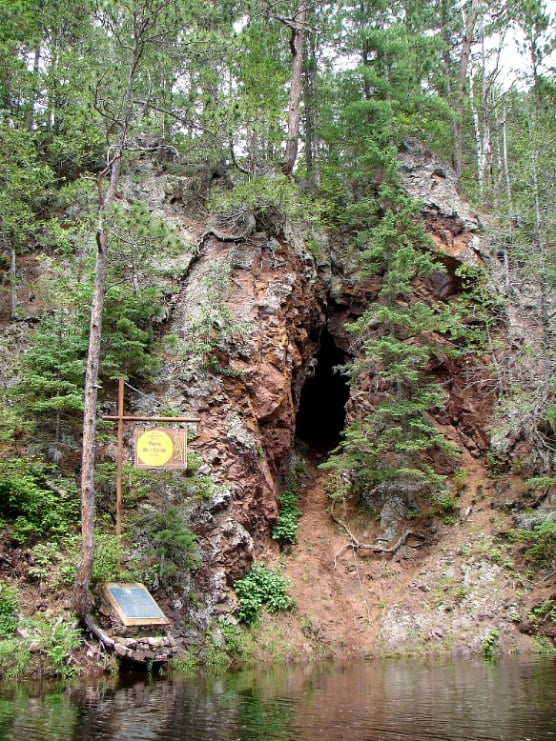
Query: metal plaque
[[161, 447], [133, 604]]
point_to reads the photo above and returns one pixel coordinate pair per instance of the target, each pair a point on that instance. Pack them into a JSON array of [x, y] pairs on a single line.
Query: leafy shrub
[[261, 587], [51, 386], [128, 328], [134, 302], [262, 195], [60, 639], [54, 641], [539, 543], [55, 561], [489, 643], [14, 659], [173, 543], [8, 610], [540, 613], [285, 530], [444, 505], [34, 508], [107, 556]]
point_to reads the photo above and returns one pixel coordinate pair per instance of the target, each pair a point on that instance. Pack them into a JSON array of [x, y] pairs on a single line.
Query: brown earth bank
[[451, 590]]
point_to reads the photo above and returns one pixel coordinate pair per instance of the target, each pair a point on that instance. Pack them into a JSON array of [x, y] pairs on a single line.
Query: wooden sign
[[133, 604], [162, 447]]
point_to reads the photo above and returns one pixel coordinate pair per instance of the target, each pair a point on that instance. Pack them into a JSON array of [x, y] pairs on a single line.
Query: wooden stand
[[120, 418]]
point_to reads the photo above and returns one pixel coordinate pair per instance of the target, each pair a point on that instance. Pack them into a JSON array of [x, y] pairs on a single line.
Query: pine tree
[[393, 434]]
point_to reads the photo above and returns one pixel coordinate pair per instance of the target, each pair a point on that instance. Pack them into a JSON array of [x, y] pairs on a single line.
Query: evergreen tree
[[51, 387], [395, 341]]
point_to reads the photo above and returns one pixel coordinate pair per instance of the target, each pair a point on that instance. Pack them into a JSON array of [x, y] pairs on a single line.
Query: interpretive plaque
[[161, 448], [133, 604]]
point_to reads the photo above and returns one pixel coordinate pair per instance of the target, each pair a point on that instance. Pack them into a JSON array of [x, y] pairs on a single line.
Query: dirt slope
[[449, 594]]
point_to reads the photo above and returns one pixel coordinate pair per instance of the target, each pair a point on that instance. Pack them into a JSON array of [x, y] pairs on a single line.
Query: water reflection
[[372, 701]]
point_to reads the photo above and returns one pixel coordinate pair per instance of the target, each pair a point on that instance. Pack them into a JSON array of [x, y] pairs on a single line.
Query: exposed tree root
[[355, 544], [98, 633]]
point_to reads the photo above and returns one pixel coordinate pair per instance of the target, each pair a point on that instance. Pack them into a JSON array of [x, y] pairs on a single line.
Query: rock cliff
[[256, 310], [260, 325]]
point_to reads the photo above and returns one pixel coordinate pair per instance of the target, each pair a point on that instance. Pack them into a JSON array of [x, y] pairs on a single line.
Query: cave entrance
[[322, 406]]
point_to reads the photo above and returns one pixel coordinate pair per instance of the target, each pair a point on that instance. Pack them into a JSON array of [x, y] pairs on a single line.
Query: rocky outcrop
[[450, 220], [246, 321], [247, 316]]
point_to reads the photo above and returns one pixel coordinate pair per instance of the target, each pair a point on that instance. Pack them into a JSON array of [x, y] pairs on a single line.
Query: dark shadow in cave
[[321, 416]]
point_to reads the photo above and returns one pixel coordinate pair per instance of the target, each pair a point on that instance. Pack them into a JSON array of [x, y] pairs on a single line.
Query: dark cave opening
[[322, 413]]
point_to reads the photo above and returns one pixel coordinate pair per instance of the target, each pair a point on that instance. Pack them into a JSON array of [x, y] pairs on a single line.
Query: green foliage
[[172, 544], [285, 530], [222, 643], [33, 509], [260, 98], [459, 479], [542, 612], [50, 392], [15, 656], [261, 587], [232, 638], [444, 503], [134, 302], [106, 563], [139, 238], [395, 341], [54, 562], [53, 640], [476, 310], [58, 639], [543, 482], [539, 544], [24, 183], [9, 606], [51, 386], [139, 484], [44, 556], [270, 199], [128, 321], [489, 643]]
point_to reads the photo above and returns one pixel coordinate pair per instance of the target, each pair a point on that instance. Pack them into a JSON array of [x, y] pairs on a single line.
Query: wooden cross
[[120, 418]]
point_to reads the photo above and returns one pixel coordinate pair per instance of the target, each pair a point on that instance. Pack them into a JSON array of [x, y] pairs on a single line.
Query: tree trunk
[[13, 283], [81, 588], [296, 46], [469, 23], [84, 570], [509, 200], [312, 158]]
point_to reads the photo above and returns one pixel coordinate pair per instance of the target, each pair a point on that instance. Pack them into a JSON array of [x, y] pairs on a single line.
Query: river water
[[413, 700]]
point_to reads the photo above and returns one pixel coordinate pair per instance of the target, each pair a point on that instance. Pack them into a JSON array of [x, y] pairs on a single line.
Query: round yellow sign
[[154, 448]]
